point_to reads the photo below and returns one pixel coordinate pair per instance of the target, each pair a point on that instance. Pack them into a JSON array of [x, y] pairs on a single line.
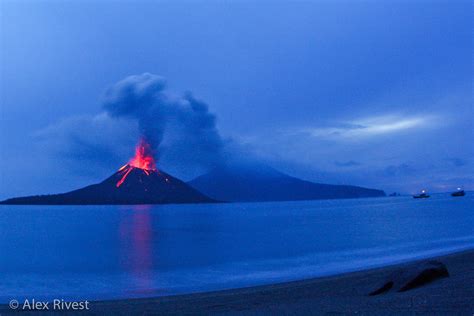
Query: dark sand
[[337, 295]]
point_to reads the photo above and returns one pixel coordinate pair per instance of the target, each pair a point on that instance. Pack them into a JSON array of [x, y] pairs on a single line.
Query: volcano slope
[[129, 185]]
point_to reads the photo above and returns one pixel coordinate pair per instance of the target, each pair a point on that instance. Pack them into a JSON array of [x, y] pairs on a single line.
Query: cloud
[[456, 162], [86, 144], [350, 163], [398, 170], [370, 127]]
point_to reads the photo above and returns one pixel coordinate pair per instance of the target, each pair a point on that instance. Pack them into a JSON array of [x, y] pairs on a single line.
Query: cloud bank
[[371, 126]]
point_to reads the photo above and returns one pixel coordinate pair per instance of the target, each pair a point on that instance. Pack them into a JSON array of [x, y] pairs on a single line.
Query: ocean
[[113, 252]]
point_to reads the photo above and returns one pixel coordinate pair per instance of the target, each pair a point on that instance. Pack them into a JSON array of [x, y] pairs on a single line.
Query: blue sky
[[373, 93]]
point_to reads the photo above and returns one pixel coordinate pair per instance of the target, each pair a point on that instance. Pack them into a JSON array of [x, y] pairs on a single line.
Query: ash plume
[[185, 122]]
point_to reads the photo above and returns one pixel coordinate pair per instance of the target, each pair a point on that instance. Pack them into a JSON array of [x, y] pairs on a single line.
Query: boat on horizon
[[458, 192], [422, 195]]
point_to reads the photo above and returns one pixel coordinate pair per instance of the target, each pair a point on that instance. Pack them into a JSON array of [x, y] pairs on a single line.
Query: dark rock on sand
[[432, 271], [385, 288], [413, 277]]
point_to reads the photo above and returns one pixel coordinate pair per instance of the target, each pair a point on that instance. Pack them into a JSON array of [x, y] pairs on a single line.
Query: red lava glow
[[143, 159], [124, 177]]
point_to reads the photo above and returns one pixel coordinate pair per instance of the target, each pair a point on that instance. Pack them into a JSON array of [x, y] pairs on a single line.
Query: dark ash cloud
[[185, 119], [180, 129]]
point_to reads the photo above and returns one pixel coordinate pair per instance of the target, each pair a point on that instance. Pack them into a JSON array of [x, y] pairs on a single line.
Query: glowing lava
[[143, 160], [119, 183], [143, 157]]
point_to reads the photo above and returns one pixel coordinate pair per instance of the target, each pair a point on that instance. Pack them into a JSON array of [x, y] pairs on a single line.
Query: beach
[[345, 294]]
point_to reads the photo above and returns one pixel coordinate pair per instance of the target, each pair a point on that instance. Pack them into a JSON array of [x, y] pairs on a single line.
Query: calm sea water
[[103, 252]]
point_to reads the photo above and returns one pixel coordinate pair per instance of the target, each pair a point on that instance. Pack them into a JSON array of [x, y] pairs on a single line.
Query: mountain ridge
[[238, 185]]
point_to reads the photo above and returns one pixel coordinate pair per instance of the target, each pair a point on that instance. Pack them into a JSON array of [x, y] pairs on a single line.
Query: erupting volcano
[[143, 160], [137, 182]]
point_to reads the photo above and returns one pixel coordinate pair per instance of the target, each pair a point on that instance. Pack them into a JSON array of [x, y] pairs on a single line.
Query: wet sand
[[345, 294]]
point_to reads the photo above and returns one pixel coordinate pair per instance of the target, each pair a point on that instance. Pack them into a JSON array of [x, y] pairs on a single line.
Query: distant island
[[258, 182]]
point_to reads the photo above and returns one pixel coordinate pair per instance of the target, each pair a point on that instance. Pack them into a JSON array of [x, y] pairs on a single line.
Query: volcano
[[138, 182], [129, 185]]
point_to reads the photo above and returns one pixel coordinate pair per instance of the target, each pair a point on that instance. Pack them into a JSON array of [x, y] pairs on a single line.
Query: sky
[[370, 93]]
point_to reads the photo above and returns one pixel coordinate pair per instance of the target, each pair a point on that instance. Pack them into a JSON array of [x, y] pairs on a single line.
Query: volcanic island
[[137, 182]]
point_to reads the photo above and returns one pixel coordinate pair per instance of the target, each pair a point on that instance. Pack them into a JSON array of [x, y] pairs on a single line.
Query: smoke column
[[144, 98]]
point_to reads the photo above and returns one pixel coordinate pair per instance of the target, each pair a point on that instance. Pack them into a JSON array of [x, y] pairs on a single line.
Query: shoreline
[[345, 293]]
